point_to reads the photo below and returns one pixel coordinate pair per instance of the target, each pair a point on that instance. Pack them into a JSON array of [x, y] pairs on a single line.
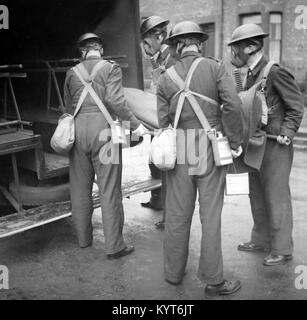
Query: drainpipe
[[222, 30]]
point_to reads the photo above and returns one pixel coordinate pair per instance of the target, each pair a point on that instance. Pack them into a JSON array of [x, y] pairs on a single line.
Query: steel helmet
[[87, 36], [152, 22], [247, 31], [184, 28]]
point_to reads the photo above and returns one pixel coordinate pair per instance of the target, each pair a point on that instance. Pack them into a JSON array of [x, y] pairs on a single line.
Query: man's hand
[[284, 140], [140, 131], [236, 153]]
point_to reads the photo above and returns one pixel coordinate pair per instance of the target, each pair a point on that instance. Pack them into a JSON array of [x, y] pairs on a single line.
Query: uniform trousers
[[270, 200], [84, 164], [180, 204]]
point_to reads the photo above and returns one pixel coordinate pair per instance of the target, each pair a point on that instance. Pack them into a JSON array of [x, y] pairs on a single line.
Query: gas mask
[[239, 57], [152, 43], [96, 48], [241, 53], [84, 53]]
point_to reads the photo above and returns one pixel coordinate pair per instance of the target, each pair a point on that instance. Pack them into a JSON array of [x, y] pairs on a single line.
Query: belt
[[197, 125]]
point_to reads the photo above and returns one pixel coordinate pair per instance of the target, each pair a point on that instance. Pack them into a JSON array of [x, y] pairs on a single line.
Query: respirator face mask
[[152, 44], [241, 53], [238, 57]]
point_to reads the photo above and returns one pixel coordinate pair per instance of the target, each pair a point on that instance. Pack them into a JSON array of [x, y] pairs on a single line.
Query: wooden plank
[[137, 186], [16, 136], [18, 148], [10, 198], [7, 66], [13, 75], [18, 141], [55, 165], [24, 225], [32, 218], [7, 130]]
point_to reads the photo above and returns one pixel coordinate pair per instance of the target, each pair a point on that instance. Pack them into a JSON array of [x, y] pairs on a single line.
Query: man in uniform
[[209, 79], [270, 196], [153, 33], [84, 157]]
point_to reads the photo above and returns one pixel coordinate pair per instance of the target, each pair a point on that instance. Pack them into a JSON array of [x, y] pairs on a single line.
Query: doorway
[[209, 45]]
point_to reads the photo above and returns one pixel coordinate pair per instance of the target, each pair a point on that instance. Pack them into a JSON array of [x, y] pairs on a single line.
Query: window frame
[[271, 13]]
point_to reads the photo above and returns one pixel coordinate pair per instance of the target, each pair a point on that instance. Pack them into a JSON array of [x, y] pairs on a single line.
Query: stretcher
[[143, 105], [38, 216]]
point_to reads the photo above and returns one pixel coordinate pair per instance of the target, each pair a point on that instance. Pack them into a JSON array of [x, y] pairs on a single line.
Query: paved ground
[[46, 263], [304, 121]]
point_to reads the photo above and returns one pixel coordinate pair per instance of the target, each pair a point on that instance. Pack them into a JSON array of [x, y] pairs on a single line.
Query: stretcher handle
[[15, 122], [271, 136], [7, 66]]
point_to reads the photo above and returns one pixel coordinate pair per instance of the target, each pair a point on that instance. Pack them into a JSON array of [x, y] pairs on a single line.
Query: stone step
[[302, 132], [300, 140], [301, 148]]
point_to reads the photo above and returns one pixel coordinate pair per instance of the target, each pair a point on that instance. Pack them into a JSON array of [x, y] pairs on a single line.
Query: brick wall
[[294, 43], [178, 10], [200, 11]]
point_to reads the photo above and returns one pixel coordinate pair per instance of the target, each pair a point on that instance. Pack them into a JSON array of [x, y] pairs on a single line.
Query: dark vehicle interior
[[36, 51]]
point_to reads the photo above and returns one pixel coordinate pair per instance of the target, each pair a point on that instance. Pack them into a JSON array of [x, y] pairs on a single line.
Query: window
[[209, 45], [251, 18], [275, 36]]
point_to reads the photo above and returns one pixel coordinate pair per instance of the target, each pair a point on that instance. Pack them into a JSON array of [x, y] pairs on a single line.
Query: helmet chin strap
[[179, 47], [160, 38], [255, 51]]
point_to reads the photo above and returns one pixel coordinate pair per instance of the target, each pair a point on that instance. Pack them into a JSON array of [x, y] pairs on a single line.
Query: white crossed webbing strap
[[265, 108], [266, 73], [86, 80], [185, 92], [262, 80]]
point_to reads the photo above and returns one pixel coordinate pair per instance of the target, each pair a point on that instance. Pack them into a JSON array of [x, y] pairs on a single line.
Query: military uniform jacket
[[284, 99], [108, 86], [210, 79]]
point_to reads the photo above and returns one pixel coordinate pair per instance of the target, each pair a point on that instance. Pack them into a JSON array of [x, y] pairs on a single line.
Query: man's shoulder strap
[[266, 71], [178, 80], [185, 85], [88, 88], [218, 61], [175, 77], [97, 67], [84, 73]]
